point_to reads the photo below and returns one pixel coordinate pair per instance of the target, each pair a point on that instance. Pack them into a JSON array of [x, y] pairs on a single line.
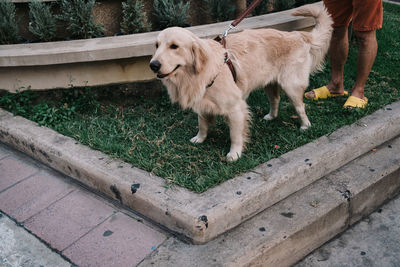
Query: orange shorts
[[367, 15]]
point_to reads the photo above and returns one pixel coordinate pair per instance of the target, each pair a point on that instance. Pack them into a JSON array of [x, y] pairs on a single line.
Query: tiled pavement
[[84, 228], [88, 230]]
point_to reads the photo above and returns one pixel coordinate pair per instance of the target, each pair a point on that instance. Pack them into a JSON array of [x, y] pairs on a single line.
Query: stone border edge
[[133, 45], [201, 217], [289, 230]]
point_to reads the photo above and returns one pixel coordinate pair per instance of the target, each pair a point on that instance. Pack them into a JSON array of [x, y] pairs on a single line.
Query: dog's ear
[[199, 57]]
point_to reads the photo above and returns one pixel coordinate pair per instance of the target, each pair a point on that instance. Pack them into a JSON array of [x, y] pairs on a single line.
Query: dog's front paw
[[305, 126], [232, 156], [269, 117], [197, 139]]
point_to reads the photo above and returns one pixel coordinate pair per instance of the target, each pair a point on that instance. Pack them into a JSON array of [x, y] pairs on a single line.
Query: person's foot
[[357, 98], [357, 93], [332, 90], [356, 102]]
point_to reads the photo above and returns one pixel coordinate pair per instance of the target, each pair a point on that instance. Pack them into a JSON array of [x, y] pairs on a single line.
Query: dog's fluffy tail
[[320, 35]]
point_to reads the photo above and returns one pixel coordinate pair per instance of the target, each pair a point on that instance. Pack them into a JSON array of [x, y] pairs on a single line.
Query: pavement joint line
[[112, 202], [51, 204], [38, 238], [20, 181], [91, 230], [182, 211], [115, 205]]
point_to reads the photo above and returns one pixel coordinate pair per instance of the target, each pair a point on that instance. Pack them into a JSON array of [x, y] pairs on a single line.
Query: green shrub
[[261, 9], [221, 10], [47, 114], [134, 18], [170, 13], [78, 16], [8, 23], [42, 22], [53, 110], [19, 103], [280, 5]]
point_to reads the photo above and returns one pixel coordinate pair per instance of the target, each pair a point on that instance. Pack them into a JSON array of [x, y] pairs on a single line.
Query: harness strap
[[227, 60], [222, 39]]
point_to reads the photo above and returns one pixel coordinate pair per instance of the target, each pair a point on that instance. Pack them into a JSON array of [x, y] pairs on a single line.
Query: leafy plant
[[42, 22], [170, 13], [134, 18], [18, 103], [49, 115], [221, 10], [78, 16], [8, 23], [280, 5], [52, 111], [262, 7]]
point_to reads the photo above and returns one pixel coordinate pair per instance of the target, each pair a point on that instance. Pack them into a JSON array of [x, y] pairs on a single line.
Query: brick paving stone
[[67, 220], [119, 241], [13, 171], [34, 194]]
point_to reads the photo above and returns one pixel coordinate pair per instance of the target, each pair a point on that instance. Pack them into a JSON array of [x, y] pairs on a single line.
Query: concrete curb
[[108, 60], [202, 217], [392, 2], [284, 233], [132, 45]]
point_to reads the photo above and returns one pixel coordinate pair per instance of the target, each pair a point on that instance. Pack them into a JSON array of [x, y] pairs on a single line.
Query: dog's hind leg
[[204, 122], [273, 92], [296, 97], [238, 121]]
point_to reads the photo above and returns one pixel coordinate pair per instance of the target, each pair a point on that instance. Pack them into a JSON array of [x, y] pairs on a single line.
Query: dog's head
[[177, 50]]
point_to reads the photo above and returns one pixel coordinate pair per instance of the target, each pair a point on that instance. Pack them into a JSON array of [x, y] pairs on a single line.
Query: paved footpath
[[48, 220], [374, 241]]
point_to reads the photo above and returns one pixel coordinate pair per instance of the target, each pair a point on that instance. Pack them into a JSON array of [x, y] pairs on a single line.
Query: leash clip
[[227, 30], [226, 59]]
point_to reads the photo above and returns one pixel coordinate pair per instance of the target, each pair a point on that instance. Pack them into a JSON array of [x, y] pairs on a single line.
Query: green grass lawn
[[153, 135]]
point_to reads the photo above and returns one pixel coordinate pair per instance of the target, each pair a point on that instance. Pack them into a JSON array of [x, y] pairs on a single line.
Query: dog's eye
[[173, 46], [156, 45]]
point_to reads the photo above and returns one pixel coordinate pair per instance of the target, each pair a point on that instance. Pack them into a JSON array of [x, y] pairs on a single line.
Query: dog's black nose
[[155, 65]]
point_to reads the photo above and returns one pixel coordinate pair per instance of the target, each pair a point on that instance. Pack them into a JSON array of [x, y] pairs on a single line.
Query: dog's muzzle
[[155, 66]]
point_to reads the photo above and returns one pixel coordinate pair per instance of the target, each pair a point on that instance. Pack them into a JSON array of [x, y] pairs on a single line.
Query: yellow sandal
[[355, 102], [323, 93]]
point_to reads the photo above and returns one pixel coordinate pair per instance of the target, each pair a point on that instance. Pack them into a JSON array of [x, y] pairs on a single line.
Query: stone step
[[200, 218], [286, 232]]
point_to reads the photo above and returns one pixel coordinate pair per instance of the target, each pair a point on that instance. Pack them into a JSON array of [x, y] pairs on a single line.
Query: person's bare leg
[[367, 50], [338, 51]]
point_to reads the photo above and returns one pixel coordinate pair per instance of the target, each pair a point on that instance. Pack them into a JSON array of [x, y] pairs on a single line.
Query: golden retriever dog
[[196, 75]]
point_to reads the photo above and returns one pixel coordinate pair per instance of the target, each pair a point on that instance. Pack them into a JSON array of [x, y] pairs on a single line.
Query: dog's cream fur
[[262, 58]]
